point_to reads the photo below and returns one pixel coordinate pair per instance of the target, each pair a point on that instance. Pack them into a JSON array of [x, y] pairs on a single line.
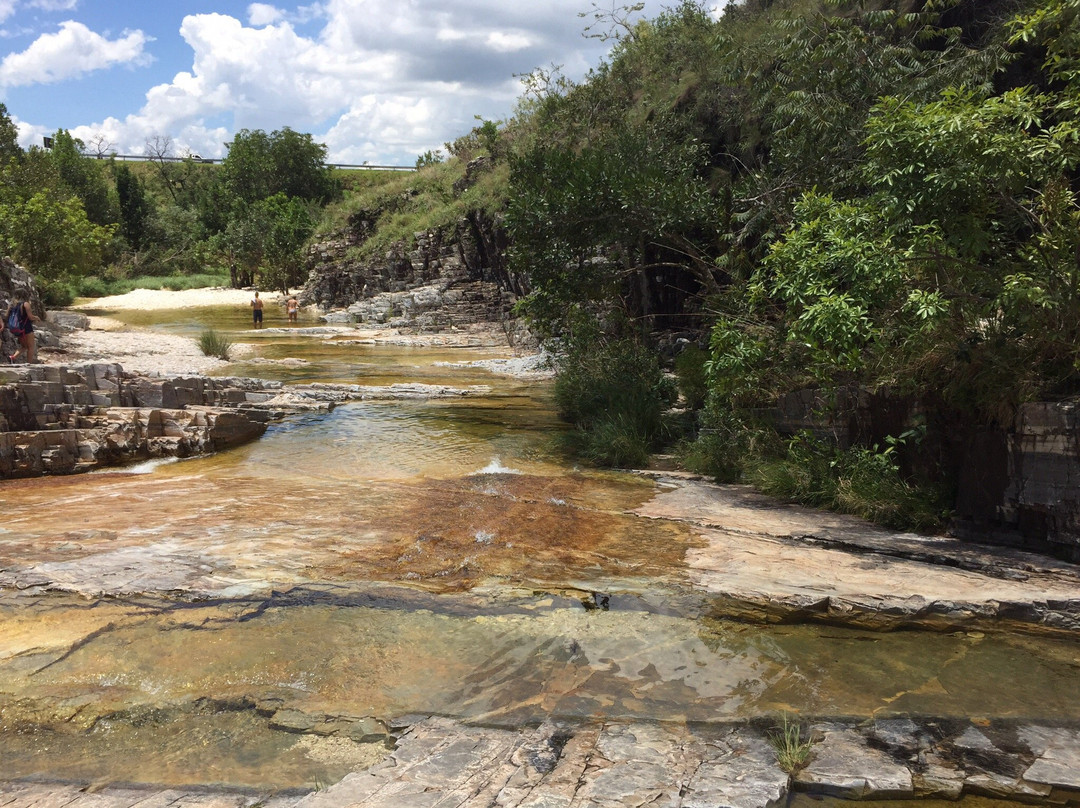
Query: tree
[[9, 137], [612, 223], [135, 207], [85, 178], [50, 233], [260, 165], [289, 226]]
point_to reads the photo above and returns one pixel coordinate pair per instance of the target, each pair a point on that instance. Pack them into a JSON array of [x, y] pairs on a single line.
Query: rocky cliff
[[452, 277]]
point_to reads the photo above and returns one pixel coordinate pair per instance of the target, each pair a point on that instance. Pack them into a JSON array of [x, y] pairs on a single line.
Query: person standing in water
[[292, 307], [256, 311]]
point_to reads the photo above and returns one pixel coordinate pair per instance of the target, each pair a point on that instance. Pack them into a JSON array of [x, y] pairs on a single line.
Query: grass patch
[[792, 751], [211, 343], [400, 204]]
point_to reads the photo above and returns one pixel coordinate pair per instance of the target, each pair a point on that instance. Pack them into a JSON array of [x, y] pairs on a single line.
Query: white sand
[[165, 354], [157, 299]]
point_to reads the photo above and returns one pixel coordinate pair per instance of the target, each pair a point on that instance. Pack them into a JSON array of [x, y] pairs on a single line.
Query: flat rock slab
[[843, 569], [1058, 764], [48, 795], [843, 765], [440, 763]]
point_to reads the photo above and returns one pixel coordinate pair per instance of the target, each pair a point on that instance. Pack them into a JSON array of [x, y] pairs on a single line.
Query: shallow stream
[[388, 559]]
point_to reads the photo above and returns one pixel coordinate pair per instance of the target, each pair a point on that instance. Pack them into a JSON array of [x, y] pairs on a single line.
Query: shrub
[[55, 293], [92, 287], [693, 380], [614, 393], [728, 443], [866, 482], [214, 344]]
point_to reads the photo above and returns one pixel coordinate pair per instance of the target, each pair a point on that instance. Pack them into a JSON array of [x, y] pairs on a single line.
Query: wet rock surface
[[57, 419], [440, 762]]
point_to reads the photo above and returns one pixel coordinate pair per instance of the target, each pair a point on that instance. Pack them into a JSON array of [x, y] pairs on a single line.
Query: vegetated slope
[[838, 196]]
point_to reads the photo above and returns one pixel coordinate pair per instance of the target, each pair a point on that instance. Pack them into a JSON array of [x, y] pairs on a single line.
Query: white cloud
[[264, 14], [7, 8], [374, 80], [507, 42], [71, 52], [54, 5]]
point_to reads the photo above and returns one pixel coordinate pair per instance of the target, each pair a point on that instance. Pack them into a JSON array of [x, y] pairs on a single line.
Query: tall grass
[[792, 750], [211, 343], [862, 481]]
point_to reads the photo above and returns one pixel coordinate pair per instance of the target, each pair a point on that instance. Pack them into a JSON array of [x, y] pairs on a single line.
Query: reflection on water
[[517, 663], [248, 581]]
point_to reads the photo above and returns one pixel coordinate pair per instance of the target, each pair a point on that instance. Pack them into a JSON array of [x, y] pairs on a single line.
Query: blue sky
[[377, 81]]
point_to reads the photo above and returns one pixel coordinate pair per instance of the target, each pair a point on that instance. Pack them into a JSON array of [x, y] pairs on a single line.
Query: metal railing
[[142, 158]]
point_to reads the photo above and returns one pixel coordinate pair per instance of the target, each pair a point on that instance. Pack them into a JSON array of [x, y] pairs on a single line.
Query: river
[[395, 558]]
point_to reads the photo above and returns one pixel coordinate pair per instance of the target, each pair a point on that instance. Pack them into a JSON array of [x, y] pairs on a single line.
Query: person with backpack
[[20, 321]]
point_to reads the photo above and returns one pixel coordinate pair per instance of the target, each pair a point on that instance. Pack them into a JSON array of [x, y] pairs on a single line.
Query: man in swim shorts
[[256, 311]]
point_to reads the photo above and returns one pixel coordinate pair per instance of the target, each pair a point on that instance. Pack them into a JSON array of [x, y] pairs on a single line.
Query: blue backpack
[[16, 319]]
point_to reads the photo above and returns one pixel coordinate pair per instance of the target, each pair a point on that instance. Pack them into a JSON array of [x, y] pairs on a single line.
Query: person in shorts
[[25, 331], [256, 311]]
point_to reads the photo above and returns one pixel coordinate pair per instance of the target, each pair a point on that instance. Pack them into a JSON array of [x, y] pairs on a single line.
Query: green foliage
[[9, 137], [391, 208], [601, 222], [792, 751], [614, 394], [84, 177], [259, 166], [211, 343], [51, 234], [690, 370], [135, 209], [865, 482], [429, 158], [729, 443], [103, 287]]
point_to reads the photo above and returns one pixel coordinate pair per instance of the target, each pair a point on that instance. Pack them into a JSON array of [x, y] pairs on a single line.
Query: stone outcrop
[[62, 420], [1025, 484], [440, 283], [451, 277], [56, 419]]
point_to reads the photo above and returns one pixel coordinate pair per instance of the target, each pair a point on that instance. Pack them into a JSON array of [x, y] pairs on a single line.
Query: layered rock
[[56, 419], [446, 278], [61, 420]]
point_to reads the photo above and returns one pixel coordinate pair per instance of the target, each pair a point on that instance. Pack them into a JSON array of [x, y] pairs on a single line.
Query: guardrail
[[142, 158]]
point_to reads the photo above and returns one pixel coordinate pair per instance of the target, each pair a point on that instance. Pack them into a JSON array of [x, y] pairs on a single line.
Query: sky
[[376, 81]]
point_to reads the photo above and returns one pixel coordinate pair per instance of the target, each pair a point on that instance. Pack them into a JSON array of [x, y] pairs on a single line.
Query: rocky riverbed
[[508, 637]]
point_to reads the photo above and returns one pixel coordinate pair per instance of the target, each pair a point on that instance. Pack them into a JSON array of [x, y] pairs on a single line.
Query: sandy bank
[[158, 299]]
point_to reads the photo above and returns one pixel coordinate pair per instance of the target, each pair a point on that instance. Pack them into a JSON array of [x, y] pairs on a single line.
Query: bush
[[214, 344], [728, 444], [865, 482], [614, 393], [93, 287], [693, 380], [56, 293]]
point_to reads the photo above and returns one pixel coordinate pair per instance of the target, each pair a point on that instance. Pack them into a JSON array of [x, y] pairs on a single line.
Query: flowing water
[[396, 558]]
